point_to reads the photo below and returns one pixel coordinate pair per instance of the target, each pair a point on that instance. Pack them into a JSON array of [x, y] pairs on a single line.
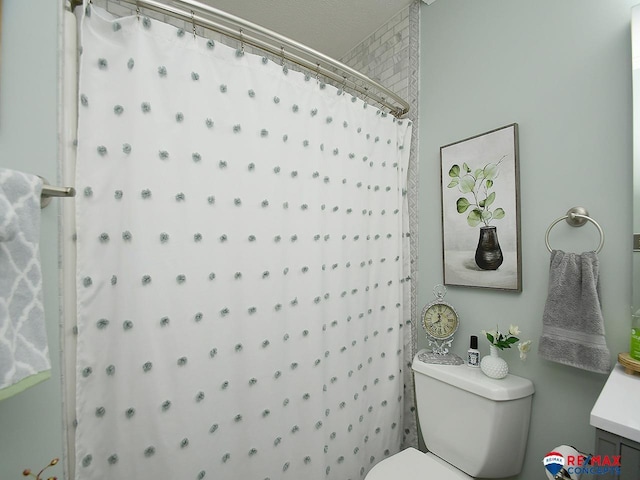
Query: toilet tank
[[476, 423]]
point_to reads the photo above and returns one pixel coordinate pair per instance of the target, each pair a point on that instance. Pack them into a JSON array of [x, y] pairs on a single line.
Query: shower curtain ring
[[282, 56], [193, 23], [241, 42], [138, 12], [317, 72]]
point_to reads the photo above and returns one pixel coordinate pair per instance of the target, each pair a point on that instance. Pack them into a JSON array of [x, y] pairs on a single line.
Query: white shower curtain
[[241, 264]]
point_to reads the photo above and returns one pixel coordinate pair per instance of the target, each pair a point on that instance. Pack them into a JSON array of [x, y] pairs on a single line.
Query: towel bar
[[576, 217], [49, 191]]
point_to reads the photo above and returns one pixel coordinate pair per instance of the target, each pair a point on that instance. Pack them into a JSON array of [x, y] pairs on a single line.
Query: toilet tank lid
[[474, 381]]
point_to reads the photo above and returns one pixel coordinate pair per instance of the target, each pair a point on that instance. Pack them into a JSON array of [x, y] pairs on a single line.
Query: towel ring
[[576, 217]]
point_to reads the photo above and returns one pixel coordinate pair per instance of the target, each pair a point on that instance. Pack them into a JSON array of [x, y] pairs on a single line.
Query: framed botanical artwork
[[481, 211]]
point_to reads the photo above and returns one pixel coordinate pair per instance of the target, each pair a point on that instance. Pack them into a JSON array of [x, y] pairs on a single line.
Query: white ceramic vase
[[493, 365]]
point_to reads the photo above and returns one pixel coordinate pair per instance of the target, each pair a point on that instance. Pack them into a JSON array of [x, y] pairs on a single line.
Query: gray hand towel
[[24, 352], [573, 326]]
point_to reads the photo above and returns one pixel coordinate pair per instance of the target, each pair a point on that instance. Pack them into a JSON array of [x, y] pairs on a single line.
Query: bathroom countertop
[[616, 410]]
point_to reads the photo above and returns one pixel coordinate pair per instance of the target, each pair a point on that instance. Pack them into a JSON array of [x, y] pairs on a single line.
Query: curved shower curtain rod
[[278, 45]]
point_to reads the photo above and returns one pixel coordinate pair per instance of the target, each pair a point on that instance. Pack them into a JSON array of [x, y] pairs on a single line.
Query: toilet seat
[[413, 464]]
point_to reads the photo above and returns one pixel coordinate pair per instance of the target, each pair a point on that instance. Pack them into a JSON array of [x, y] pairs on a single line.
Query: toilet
[[473, 426]]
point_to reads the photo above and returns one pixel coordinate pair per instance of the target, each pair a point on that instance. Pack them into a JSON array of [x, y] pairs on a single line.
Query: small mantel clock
[[440, 321]]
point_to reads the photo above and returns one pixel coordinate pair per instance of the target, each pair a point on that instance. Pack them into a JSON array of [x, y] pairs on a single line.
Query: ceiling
[[332, 27]]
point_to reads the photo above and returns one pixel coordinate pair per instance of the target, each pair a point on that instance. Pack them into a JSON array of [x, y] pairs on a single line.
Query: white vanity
[[616, 416]]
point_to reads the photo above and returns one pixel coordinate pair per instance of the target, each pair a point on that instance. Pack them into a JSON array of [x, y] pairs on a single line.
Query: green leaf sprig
[[479, 183]]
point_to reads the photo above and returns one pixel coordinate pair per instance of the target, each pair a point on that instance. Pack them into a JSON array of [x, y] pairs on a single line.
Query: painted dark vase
[[488, 253]]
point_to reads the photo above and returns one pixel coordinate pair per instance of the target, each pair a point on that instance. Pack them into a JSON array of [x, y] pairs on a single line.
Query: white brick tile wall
[[384, 55]]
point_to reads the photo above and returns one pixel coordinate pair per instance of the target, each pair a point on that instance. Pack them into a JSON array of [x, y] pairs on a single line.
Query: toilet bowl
[[473, 426]]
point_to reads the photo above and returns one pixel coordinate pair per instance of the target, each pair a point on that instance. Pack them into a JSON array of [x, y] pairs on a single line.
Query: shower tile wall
[[384, 55]]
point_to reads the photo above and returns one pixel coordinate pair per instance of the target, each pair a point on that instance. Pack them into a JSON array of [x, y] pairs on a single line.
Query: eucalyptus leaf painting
[[480, 211]]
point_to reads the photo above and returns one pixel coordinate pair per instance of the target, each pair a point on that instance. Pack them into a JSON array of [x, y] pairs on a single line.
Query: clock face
[[440, 320]]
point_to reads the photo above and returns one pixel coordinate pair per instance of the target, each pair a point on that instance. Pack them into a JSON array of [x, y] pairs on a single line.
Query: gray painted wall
[[562, 71], [31, 422]]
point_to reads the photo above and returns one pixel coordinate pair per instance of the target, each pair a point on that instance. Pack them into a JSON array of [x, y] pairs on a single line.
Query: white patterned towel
[[24, 353]]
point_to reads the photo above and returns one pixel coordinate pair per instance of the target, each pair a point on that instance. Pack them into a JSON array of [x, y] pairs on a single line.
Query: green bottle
[[634, 347]]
